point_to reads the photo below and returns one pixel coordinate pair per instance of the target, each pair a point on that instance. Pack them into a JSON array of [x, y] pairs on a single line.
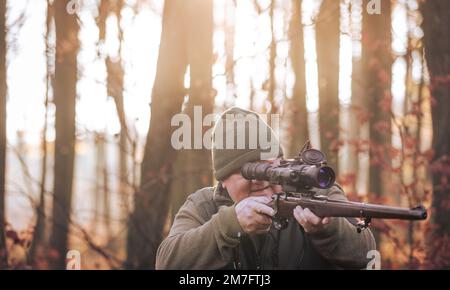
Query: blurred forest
[[88, 89]]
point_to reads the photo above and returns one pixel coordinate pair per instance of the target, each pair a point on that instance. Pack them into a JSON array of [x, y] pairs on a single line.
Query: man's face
[[239, 188]]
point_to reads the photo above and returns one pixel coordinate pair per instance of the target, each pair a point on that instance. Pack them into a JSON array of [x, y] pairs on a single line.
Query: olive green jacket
[[207, 235]]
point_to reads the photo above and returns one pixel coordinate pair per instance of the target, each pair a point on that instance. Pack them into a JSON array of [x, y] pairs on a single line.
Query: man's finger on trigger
[[262, 219], [262, 224], [264, 209], [326, 221], [311, 217]]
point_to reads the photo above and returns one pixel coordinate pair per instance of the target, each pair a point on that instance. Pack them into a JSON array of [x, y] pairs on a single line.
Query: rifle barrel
[[326, 207]]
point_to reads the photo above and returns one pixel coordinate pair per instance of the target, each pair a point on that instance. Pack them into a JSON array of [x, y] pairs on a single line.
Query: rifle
[[298, 178]]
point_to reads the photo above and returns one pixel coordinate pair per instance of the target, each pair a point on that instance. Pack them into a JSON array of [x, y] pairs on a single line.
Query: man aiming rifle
[[253, 220]]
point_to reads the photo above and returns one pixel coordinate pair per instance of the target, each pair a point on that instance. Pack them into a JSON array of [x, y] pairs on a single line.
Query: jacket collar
[[221, 196]]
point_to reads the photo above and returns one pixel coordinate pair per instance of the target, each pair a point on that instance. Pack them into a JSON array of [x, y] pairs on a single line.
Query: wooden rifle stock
[[323, 206]]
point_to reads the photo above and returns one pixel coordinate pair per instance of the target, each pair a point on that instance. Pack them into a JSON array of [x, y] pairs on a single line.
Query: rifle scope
[[300, 176]]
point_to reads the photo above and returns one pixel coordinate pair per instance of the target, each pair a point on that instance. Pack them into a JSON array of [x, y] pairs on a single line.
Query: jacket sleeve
[[340, 243], [195, 243]]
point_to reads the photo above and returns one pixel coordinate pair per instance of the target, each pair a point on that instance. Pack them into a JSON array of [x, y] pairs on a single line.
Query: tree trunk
[[151, 202], [64, 96], [357, 128], [296, 107], [39, 241], [272, 59], [102, 206], [3, 91], [103, 12], [193, 167], [98, 185], [229, 27], [327, 31], [114, 85], [377, 57], [437, 53]]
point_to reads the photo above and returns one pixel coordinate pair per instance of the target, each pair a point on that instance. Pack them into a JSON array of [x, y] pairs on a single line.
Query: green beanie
[[241, 136]]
